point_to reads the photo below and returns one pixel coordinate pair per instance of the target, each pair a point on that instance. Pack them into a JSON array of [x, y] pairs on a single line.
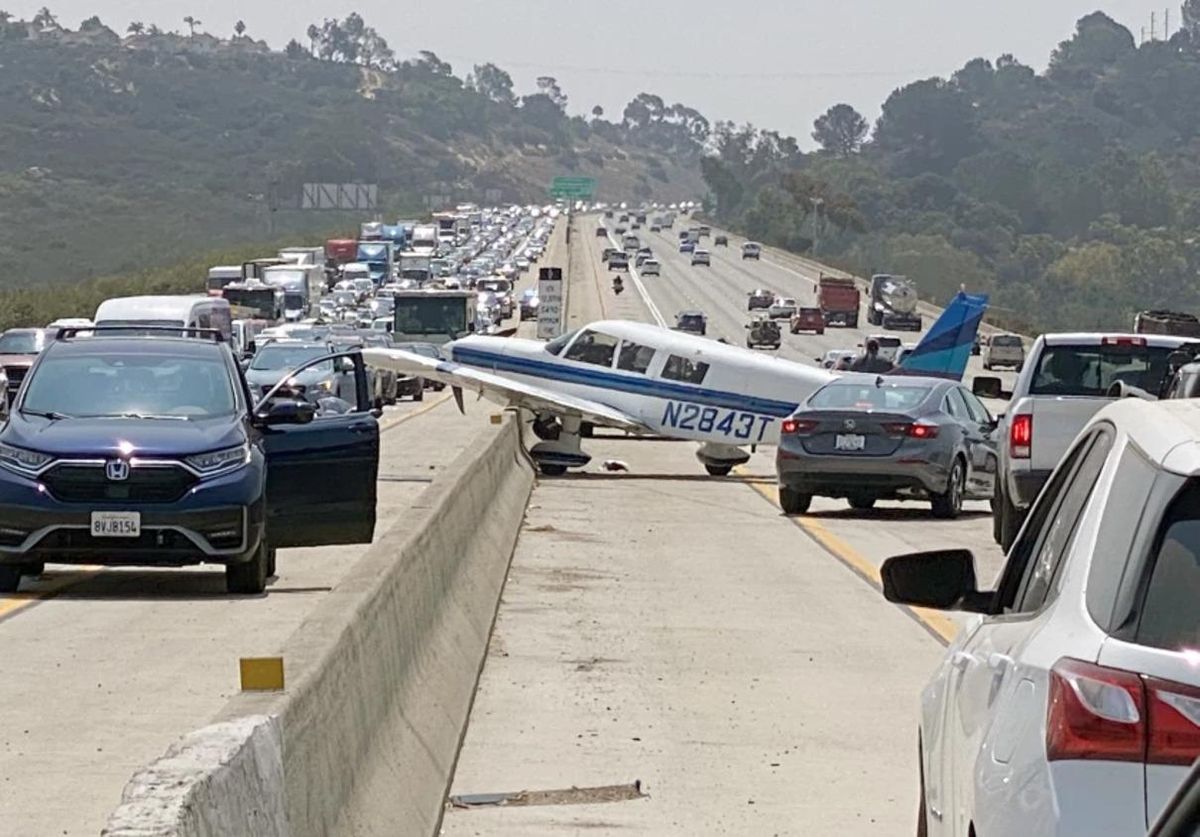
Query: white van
[[221, 276], [183, 311]]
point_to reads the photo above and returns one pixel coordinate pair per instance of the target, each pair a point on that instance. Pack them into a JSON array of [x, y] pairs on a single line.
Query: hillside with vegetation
[[127, 148], [1072, 196]]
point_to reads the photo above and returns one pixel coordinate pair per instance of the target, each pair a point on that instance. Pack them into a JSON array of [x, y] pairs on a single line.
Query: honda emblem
[[850, 424], [117, 470]]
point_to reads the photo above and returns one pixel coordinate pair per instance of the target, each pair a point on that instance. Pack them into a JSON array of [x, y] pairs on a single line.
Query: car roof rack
[[135, 330]]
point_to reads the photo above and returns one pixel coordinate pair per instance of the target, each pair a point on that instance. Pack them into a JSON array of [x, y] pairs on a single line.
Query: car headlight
[[327, 386], [220, 460], [28, 462]]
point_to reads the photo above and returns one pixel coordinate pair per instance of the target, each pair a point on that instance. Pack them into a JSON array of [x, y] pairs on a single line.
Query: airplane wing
[[500, 389]]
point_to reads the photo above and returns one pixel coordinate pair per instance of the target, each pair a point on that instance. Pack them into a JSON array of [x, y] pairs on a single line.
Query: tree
[[840, 130], [239, 28], [597, 112], [429, 61], [927, 126], [495, 84], [1099, 42], [1191, 19], [548, 87], [351, 41], [296, 50], [45, 21], [192, 23]]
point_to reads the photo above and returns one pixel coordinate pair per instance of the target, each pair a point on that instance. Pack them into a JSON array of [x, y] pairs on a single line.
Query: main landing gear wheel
[[862, 502], [718, 470], [10, 578], [552, 470]]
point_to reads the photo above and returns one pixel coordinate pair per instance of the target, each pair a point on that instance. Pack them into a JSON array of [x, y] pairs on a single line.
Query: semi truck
[[433, 316], [1167, 322], [893, 303], [416, 266], [379, 258], [255, 300], [370, 231], [302, 288], [425, 239], [341, 251], [838, 299]]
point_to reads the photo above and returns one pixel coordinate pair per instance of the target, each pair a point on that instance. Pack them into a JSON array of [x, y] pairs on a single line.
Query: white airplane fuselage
[[740, 399]]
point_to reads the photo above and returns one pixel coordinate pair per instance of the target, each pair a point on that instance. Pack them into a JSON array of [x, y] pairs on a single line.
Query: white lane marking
[[637, 283]]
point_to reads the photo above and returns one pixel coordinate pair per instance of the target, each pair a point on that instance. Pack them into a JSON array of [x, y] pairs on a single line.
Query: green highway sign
[[579, 188]]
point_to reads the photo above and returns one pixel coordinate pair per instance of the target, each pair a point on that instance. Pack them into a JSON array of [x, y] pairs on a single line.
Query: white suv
[[1070, 704]]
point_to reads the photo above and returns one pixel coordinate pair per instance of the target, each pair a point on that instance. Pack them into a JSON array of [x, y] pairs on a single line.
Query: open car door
[[321, 475]]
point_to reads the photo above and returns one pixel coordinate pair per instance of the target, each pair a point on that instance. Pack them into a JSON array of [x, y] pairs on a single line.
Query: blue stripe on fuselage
[[635, 384]]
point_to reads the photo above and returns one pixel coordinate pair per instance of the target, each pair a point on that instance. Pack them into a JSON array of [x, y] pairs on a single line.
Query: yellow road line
[[16, 602], [437, 402], [938, 624]]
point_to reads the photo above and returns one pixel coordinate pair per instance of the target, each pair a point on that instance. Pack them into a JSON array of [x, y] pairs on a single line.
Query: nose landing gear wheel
[[718, 470]]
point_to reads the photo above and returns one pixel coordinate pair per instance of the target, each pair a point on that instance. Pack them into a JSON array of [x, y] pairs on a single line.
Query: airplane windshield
[[559, 343]]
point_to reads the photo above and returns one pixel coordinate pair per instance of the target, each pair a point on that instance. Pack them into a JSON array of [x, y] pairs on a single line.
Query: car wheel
[[10, 578], [793, 502], [270, 563], [33, 568], [948, 505], [997, 500], [718, 470], [419, 395], [862, 502], [250, 577], [1011, 519]]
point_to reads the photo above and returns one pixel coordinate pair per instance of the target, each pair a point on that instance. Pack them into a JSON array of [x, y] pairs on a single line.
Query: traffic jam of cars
[[178, 430], [1069, 700]]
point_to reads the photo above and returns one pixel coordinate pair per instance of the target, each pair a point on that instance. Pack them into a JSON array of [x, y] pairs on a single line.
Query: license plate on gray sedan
[[116, 524], [849, 441]]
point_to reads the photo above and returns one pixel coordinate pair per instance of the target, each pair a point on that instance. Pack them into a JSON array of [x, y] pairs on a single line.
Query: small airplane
[[650, 380]]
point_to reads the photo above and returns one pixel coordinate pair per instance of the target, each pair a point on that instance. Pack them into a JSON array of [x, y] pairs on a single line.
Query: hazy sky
[[776, 63]]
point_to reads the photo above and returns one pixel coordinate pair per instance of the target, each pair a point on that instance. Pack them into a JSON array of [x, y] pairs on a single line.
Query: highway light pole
[[817, 204]]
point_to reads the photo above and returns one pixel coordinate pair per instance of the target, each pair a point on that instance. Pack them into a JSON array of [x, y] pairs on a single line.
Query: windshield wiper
[[46, 414], [152, 417]]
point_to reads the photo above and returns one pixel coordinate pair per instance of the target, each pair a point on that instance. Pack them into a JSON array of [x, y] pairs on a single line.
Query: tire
[[549, 470], [793, 502], [987, 367], [820, 331], [1011, 519], [419, 395], [864, 502], [250, 577], [10, 578], [996, 528], [270, 563], [854, 322], [718, 470], [948, 505], [33, 568]]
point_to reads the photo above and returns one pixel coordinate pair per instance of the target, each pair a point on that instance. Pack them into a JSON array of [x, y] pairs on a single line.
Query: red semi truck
[[839, 300], [341, 250]]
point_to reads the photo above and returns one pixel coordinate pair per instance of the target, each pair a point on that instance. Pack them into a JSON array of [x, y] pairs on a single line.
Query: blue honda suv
[[149, 450]]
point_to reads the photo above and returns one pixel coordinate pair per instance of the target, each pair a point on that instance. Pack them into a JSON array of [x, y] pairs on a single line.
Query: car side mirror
[[286, 411], [987, 387], [345, 364], [942, 580]]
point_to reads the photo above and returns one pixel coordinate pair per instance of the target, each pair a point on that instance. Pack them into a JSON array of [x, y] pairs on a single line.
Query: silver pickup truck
[[1065, 381]]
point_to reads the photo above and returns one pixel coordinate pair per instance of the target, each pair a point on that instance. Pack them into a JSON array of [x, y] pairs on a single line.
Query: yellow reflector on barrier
[[261, 674]]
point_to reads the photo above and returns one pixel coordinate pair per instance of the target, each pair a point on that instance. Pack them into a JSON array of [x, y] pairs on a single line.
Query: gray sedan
[[867, 438]]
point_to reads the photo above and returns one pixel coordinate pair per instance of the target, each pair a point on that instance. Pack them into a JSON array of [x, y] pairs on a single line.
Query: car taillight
[[914, 430], [1114, 715], [1020, 436], [798, 427], [1094, 713]]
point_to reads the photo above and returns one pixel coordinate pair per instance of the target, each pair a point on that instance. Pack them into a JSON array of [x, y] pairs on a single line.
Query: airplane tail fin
[[946, 348]]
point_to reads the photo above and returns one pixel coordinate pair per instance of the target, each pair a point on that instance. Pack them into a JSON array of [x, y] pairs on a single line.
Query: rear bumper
[[1023, 487], [838, 476]]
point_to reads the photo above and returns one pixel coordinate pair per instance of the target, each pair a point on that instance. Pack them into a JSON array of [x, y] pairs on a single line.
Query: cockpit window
[[682, 369], [594, 348], [635, 358], [556, 345]]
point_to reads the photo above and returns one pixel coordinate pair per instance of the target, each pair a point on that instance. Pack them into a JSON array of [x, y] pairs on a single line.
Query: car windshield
[[867, 396], [289, 357], [22, 342], [1091, 370], [103, 385]]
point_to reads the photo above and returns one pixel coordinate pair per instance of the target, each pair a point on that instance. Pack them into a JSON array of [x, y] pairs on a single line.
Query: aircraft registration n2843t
[[651, 380]]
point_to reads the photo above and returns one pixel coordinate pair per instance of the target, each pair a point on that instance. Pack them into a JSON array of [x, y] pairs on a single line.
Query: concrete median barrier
[[380, 680]]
